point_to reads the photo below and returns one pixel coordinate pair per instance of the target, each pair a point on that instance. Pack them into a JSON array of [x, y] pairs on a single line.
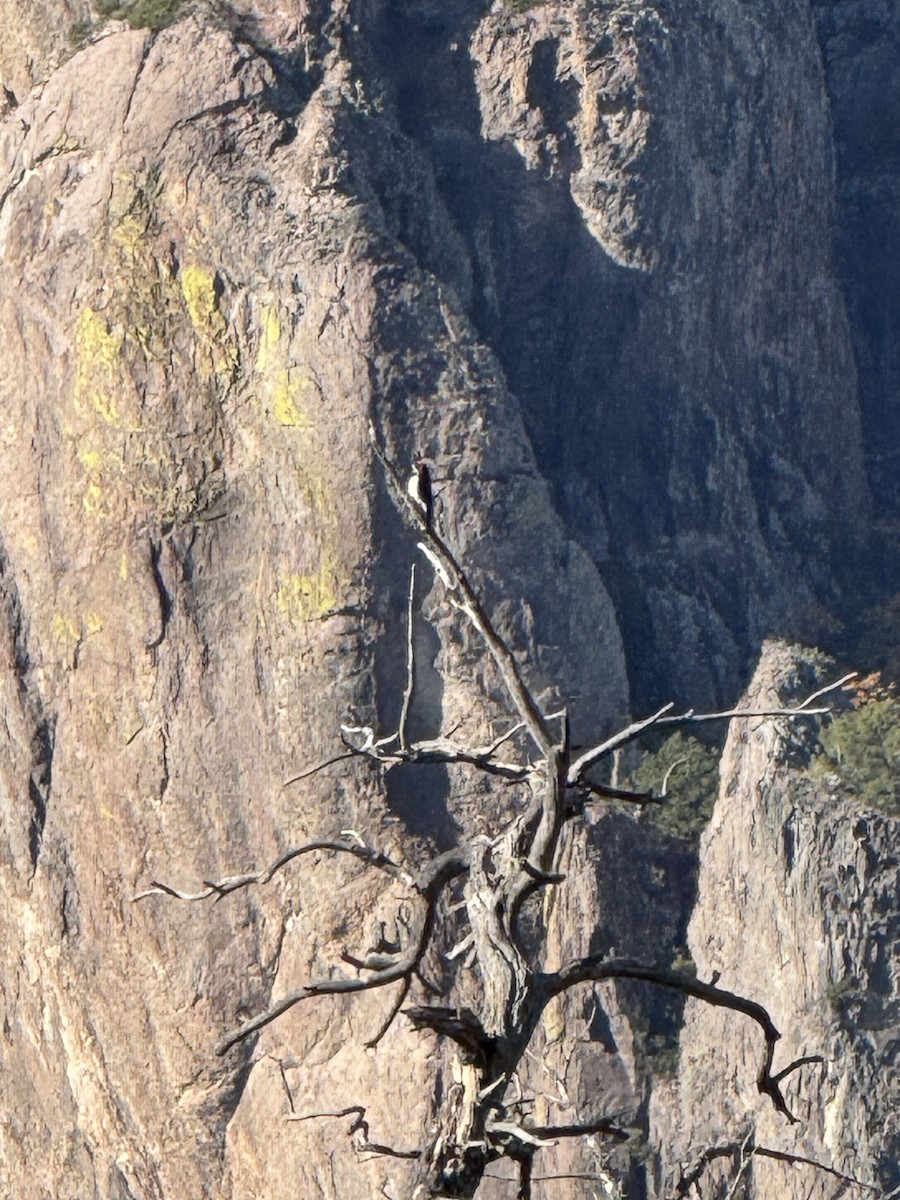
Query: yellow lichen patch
[[286, 392], [70, 631], [98, 352], [96, 502], [91, 460], [311, 596], [218, 350], [283, 386], [65, 628], [198, 286], [130, 235], [96, 499], [269, 339], [123, 567], [319, 495]]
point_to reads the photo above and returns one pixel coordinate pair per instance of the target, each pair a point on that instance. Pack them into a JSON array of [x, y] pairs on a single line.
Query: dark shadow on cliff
[[544, 295], [565, 320], [860, 47]]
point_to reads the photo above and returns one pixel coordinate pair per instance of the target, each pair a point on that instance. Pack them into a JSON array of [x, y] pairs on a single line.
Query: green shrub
[[686, 772], [862, 748], [140, 14], [79, 34]]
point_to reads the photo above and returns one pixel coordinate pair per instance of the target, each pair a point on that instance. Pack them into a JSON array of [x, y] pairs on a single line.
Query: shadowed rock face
[[581, 257], [646, 194], [860, 43]]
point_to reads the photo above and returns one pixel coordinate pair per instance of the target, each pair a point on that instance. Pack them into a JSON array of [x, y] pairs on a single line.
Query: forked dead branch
[[484, 1117]]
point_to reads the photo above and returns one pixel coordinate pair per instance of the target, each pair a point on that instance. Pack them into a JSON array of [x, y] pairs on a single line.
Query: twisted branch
[[596, 968]]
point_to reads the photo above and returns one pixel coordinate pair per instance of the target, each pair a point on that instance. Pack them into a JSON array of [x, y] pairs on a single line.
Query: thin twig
[[410, 660], [287, 1088], [830, 688], [796, 1064], [743, 1164], [329, 762], [800, 1160], [392, 1013], [359, 1125], [663, 791], [504, 737]]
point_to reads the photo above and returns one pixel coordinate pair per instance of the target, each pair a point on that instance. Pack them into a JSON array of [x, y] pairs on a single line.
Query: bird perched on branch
[[419, 488]]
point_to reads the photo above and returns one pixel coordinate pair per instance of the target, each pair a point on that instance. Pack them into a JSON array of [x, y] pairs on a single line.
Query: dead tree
[[483, 1119]]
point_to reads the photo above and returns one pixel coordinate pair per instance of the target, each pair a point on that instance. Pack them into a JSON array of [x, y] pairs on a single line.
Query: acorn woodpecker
[[419, 488]]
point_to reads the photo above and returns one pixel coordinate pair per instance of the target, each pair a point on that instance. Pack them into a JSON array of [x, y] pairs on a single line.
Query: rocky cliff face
[[203, 578], [580, 256], [797, 907]]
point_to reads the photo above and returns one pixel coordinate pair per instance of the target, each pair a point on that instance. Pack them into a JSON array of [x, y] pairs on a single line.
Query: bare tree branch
[[691, 718], [319, 987], [600, 791], [232, 883], [428, 884], [581, 764], [801, 1160], [660, 720], [329, 762], [462, 596], [392, 1013], [605, 1125], [359, 1126], [831, 687], [743, 1153], [796, 1064], [596, 968], [440, 750]]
